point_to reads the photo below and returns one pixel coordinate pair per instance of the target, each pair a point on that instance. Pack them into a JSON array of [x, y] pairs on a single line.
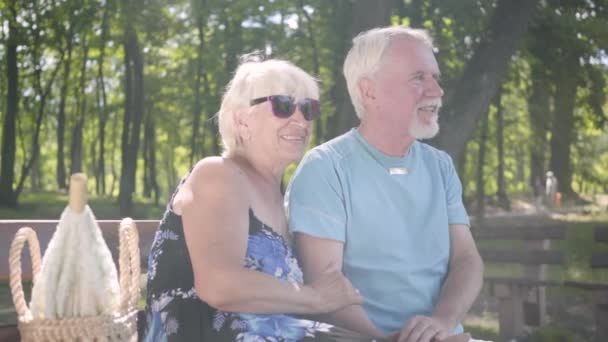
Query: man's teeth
[[292, 137], [428, 108]]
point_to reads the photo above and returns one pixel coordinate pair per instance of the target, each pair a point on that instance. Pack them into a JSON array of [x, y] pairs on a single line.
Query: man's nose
[[434, 89]]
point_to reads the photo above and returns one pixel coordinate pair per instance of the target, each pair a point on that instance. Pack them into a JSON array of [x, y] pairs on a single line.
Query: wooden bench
[[521, 300], [598, 261], [9, 333]]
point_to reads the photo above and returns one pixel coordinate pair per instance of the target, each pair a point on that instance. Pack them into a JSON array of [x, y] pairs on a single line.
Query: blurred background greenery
[[126, 91]]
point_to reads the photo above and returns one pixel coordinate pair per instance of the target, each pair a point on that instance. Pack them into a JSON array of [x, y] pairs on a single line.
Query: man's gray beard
[[421, 131]]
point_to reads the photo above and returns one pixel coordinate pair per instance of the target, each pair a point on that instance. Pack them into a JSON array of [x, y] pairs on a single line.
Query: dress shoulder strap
[[179, 185]]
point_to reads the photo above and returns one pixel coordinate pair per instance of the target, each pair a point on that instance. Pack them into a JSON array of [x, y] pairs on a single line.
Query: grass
[[50, 205]]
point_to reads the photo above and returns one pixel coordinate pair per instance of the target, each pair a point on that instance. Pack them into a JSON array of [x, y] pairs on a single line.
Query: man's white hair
[[365, 56], [254, 79]]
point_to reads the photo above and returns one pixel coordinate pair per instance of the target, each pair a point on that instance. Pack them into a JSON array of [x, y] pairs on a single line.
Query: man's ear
[[366, 89]]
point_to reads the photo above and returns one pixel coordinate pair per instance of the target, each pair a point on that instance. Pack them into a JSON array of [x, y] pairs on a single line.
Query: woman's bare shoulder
[[212, 168], [211, 179]]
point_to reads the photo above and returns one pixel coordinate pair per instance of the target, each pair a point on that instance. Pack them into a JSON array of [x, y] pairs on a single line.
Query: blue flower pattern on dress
[[286, 327], [267, 252], [175, 313]]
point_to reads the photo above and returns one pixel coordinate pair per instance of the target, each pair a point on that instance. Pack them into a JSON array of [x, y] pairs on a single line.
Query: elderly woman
[[221, 267]]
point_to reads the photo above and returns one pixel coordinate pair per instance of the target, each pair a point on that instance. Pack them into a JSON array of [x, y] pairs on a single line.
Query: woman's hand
[[335, 292]]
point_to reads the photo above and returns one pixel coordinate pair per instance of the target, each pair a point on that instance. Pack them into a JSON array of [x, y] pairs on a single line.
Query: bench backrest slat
[[599, 260], [525, 257], [557, 232], [601, 234], [45, 229]]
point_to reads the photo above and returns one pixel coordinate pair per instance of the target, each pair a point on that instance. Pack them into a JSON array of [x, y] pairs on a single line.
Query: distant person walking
[[551, 189]]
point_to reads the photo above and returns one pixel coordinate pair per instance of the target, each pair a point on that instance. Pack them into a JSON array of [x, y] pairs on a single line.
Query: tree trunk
[[310, 36], [42, 91], [197, 107], [100, 183], [540, 118], [365, 15], [81, 100], [481, 160], [233, 34], [146, 153], [210, 125], [338, 93], [35, 150], [501, 192], [460, 166], [234, 43], [150, 177], [169, 164], [37, 177], [134, 106], [113, 150], [562, 132], [61, 120], [483, 74], [9, 138]]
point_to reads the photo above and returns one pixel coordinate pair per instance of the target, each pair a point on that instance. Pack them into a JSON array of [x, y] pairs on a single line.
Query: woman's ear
[[241, 123]]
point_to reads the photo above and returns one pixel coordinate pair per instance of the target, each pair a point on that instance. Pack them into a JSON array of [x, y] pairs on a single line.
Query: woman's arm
[[214, 206], [319, 256]]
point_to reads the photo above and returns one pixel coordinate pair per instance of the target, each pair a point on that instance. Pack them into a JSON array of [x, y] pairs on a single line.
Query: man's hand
[[465, 337], [334, 292], [423, 329]]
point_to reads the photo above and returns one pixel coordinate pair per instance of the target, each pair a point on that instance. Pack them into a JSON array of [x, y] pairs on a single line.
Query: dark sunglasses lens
[[311, 109], [282, 106]]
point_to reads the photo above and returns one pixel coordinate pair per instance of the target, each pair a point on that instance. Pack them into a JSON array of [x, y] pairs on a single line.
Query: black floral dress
[[175, 313]]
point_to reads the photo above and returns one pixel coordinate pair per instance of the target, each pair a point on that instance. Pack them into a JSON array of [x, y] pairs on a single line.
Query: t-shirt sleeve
[[457, 214], [314, 199]]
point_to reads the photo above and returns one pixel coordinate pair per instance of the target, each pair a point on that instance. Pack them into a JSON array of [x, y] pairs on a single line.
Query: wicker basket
[[119, 327]]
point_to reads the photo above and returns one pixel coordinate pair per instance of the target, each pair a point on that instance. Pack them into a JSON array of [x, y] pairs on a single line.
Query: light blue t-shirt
[[391, 213]]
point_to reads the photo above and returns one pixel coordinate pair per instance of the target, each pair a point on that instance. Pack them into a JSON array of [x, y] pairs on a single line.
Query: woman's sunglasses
[[284, 106]]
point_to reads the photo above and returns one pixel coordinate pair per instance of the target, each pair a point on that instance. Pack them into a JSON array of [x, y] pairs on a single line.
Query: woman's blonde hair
[[254, 79]]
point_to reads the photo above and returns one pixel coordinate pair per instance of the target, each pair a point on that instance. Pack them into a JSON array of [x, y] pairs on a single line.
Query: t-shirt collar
[[383, 158]]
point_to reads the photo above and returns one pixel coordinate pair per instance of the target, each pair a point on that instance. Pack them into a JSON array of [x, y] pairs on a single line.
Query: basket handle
[[129, 264], [23, 234]]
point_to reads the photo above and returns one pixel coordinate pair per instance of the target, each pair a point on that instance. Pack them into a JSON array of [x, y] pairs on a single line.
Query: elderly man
[[384, 208]]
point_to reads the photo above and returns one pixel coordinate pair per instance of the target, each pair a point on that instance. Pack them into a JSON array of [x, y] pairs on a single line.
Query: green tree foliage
[[127, 91]]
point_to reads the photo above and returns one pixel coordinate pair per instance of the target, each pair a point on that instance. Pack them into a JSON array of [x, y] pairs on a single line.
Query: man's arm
[[465, 269], [465, 277], [459, 290], [318, 256]]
